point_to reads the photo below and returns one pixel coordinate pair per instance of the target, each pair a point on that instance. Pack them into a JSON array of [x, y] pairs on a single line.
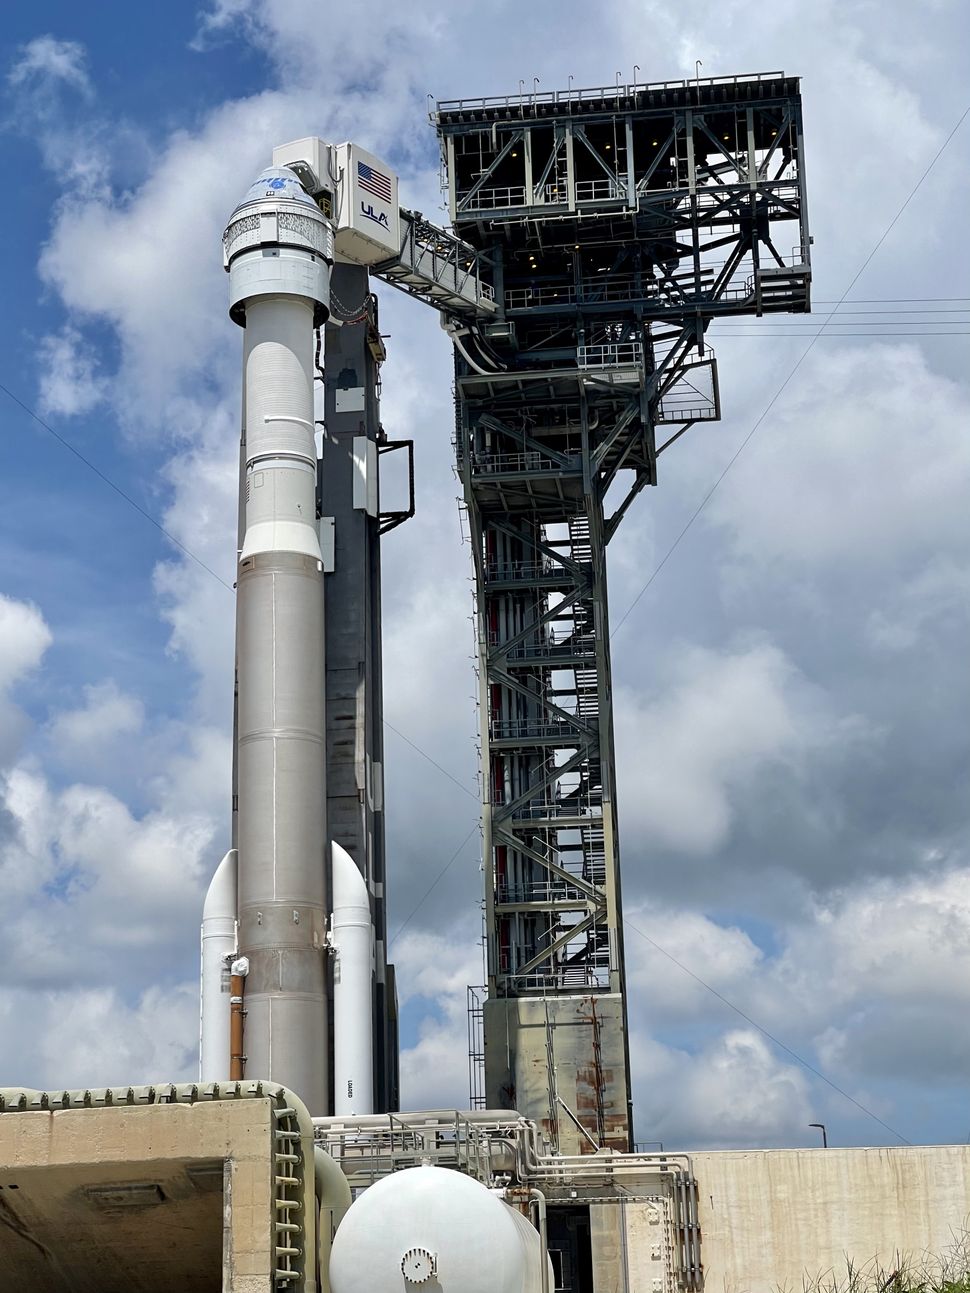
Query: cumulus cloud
[[70, 1038], [434, 970], [107, 715], [787, 725], [49, 59], [715, 723], [24, 637], [850, 408], [70, 382], [733, 1092]]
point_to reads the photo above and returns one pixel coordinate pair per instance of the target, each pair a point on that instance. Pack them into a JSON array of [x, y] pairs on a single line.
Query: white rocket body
[[218, 950], [279, 249], [267, 901], [352, 938]]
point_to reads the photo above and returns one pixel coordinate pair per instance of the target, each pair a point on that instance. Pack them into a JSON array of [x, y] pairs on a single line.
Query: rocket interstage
[[278, 251]]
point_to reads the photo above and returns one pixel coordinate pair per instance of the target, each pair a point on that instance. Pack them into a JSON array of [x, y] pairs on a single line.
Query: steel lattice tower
[[614, 225]]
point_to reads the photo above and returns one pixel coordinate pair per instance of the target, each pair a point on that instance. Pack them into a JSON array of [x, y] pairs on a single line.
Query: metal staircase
[[614, 225]]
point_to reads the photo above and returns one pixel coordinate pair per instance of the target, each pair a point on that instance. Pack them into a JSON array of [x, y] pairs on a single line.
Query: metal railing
[[495, 199], [615, 354], [509, 729], [593, 94], [490, 464]]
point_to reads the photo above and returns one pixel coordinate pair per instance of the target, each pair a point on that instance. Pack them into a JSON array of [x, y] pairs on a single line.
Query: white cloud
[[49, 59], [107, 715], [70, 382], [24, 637], [434, 971], [712, 723], [809, 491], [79, 1038], [733, 1092]]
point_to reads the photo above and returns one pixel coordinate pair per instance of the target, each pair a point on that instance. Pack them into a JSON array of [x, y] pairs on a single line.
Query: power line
[[745, 336], [764, 1031], [444, 771], [791, 373], [434, 884], [896, 300], [842, 314], [111, 485], [62, 440]]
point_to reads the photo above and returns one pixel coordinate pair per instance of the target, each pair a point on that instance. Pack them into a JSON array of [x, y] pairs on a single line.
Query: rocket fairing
[[278, 251]]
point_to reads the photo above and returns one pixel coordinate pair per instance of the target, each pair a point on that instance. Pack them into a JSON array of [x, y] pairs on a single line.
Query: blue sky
[[791, 693]]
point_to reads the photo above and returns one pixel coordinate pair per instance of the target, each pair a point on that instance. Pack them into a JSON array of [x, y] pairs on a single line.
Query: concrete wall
[[141, 1199], [773, 1219]]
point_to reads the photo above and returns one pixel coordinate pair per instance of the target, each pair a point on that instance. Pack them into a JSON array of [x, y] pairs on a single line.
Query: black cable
[[883, 336], [189, 553], [444, 771], [791, 373], [764, 1031], [434, 884], [111, 485]]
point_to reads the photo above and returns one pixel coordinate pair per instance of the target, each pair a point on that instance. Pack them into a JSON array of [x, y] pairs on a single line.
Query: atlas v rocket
[[270, 927]]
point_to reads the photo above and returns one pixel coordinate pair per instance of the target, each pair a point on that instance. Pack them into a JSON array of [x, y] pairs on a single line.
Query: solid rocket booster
[[352, 939], [279, 250]]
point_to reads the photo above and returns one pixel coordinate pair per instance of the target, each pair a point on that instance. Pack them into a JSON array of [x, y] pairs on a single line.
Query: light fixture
[[608, 147], [515, 154]]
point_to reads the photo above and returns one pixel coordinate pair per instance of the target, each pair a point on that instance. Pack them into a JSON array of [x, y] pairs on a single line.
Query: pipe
[[278, 251], [352, 940], [218, 948], [420, 1117], [237, 1015], [334, 1198], [539, 1199]]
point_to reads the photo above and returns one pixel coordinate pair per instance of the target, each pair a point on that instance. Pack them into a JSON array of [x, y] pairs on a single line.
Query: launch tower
[[615, 225]]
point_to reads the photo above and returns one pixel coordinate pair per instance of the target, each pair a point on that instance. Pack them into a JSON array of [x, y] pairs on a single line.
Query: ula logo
[[367, 210]]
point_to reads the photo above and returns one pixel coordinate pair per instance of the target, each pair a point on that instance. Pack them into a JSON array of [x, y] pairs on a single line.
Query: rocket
[[276, 944], [266, 913]]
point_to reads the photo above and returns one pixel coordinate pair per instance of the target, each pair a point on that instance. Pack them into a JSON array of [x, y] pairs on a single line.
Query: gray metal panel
[[354, 678]]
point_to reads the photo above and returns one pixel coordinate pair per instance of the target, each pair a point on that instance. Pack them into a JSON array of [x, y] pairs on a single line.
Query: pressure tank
[[436, 1230]]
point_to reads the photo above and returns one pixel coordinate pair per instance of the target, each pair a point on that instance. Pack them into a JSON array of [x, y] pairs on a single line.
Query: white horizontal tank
[[435, 1229]]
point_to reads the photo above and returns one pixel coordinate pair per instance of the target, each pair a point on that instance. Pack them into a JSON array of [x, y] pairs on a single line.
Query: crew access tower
[[615, 225]]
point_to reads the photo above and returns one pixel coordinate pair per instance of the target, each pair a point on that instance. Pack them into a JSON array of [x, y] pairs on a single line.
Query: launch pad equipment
[[596, 236], [616, 225]]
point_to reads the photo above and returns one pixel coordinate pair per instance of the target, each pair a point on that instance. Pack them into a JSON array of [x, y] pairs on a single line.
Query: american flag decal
[[374, 181]]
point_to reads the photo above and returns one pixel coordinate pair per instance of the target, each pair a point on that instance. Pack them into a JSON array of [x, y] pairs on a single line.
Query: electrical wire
[[791, 373], [189, 553], [764, 1031], [433, 885], [884, 336], [111, 485], [444, 771]]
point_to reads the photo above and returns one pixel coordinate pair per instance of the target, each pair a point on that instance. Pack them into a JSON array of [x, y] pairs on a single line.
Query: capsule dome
[[276, 182]]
